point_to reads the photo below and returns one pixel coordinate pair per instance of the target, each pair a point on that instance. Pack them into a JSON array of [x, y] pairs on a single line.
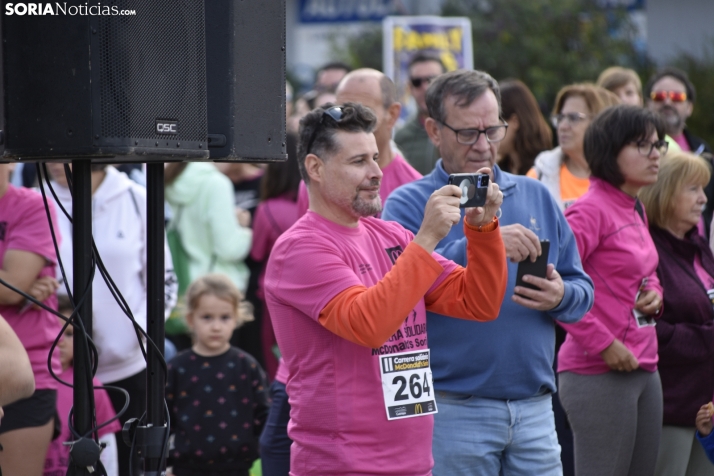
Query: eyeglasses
[[674, 96], [470, 136], [334, 112], [572, 117], [417, 82], [645, 147]]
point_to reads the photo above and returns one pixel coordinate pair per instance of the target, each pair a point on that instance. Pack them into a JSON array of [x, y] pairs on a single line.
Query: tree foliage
[[701, 72], [360, 50], [548, 43]]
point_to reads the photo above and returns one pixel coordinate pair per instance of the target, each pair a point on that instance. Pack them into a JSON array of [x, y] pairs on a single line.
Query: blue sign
[[628, 4], [331, 11]]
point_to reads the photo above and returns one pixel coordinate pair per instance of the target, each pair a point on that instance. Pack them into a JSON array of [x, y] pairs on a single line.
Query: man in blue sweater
[[495, 381]]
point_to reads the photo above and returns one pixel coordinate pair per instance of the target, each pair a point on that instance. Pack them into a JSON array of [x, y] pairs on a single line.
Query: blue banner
[[333, 11]]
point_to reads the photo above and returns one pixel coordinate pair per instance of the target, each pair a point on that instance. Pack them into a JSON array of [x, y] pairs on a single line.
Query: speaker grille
[[153, 69]]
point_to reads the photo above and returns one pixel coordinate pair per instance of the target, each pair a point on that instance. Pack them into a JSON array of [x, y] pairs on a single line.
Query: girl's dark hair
[[610, 132], [533, 135], [282, 177]]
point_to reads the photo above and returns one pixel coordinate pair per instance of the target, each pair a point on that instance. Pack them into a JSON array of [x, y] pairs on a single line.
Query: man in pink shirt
[[375, 90], [348, 296]]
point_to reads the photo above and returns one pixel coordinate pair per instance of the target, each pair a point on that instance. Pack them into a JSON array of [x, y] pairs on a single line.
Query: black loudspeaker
[[116, 80], [245, 56]]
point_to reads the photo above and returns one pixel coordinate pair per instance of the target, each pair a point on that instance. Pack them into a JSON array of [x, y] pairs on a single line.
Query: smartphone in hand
[[537, 268], [474, 188]]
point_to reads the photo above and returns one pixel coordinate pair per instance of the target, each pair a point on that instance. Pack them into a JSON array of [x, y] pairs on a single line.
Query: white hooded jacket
[[547, 166], [119, 231]]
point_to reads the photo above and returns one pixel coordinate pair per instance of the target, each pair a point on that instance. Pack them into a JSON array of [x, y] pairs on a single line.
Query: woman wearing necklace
[[685, 332]]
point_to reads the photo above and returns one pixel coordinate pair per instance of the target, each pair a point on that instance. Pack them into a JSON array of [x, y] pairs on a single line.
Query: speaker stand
[[83, 399], [152, 438], [149, 439]]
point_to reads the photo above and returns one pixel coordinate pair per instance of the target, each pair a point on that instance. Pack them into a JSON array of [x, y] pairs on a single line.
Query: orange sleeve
[[369, 316], [476, 291], [532, 173]]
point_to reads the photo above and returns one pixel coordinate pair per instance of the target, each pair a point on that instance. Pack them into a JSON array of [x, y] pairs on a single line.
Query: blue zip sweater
[[512, 357]]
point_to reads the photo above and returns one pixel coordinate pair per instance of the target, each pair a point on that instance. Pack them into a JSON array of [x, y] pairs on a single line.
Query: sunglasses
[[417, 82], [334, 112], [674, 96]]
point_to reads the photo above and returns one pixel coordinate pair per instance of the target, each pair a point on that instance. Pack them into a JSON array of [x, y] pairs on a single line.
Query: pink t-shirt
[[282, 374], [57, 458], [338, 420], [397, 173], [24, 227], [681, 140]]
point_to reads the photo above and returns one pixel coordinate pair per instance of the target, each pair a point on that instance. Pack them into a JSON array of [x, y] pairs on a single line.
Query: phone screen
[[538, 268]]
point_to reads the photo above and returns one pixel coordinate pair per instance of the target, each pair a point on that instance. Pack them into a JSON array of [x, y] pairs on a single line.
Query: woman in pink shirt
[[609, 384], [28, 262]]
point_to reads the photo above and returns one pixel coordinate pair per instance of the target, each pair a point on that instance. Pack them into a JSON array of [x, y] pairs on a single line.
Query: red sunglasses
[[674, 96]]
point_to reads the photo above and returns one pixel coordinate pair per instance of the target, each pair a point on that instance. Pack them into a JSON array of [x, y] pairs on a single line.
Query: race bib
[[407, 384], [643, 320]]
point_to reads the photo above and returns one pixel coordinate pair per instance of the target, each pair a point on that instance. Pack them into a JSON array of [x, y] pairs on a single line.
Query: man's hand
[[618, 357], [480, 216], [704, 419], [547, 297], [649, 302], [521, 243], [440, 214]]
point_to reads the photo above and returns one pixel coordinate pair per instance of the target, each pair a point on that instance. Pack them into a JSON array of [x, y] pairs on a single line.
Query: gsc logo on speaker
[[61, 8], [166, 127]]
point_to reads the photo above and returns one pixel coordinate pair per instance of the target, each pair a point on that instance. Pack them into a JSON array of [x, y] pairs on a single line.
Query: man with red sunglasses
[[671, 94]]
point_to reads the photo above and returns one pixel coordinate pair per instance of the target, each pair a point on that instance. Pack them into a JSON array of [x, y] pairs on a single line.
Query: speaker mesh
[[153, 69]]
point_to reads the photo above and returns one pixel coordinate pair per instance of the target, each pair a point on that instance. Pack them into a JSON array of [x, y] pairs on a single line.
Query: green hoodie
[[201, 199]]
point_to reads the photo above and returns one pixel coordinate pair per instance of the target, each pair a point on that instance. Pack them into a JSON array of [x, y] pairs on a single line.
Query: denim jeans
[[275, 442], [487, 437]]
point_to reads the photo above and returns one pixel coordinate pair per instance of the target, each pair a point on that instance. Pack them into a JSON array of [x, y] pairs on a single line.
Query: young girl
[[217, 394], [58, 454]]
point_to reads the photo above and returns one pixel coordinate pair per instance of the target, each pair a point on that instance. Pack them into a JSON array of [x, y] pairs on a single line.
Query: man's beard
[[364, 208], [673, 122]]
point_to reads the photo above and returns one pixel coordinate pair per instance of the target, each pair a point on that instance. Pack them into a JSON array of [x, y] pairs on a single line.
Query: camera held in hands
[[474, 188]]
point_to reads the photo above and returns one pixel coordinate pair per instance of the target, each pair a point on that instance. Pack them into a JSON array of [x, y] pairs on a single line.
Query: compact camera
[[474, 188]]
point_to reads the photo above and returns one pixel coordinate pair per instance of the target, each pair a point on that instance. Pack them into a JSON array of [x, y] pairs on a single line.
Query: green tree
[[701, 72], [360, 50], [545, 43], [548, 43]]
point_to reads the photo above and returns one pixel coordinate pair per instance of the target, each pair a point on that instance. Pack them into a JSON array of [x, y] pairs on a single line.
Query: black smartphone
[[474, 188], [539, 268]]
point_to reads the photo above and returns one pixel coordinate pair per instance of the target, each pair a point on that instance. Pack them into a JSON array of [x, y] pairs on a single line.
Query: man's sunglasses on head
[[674, 96], [335, 113]]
